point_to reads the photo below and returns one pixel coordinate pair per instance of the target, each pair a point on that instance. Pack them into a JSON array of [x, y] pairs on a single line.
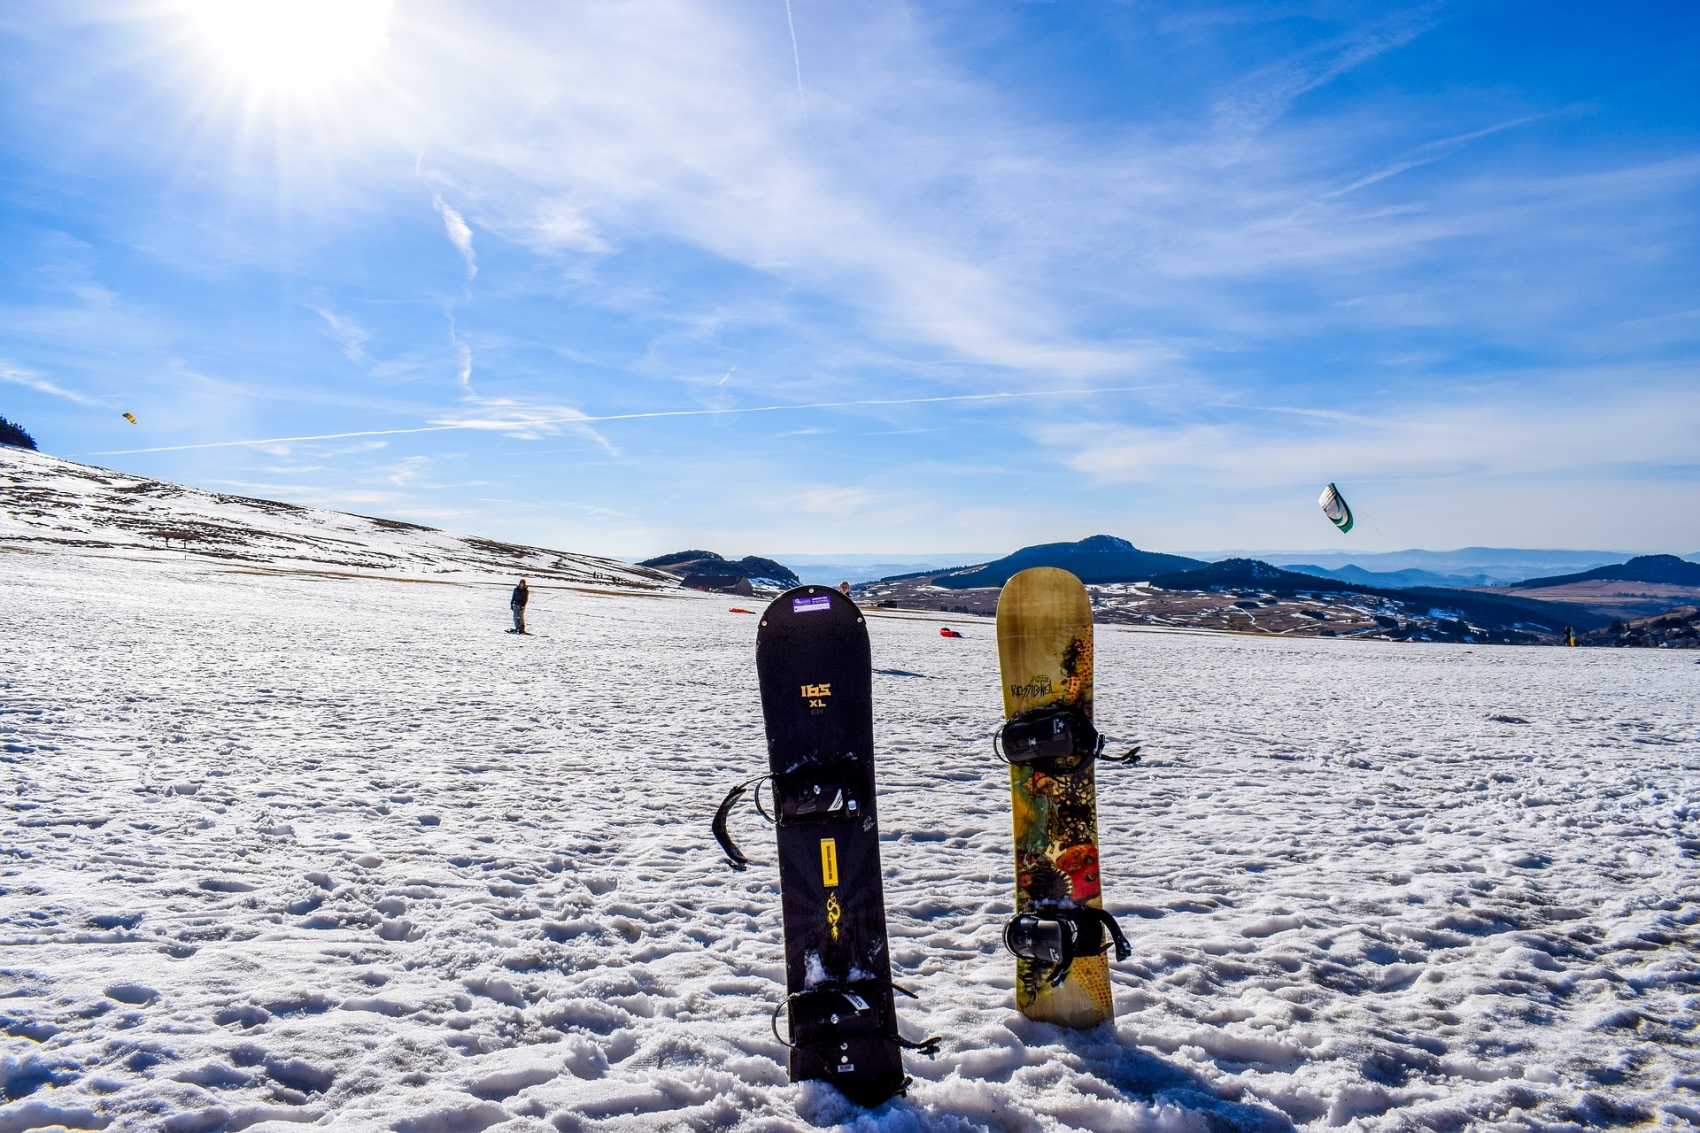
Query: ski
[[1059, 932]]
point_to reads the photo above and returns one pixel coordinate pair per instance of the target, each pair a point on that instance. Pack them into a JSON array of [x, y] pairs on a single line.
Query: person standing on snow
[[521, 595]]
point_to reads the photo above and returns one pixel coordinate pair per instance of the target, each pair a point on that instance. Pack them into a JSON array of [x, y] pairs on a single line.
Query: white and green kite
[[1334, 507]]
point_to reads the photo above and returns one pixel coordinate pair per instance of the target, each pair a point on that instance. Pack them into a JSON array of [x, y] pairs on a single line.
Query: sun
[[291, 47]]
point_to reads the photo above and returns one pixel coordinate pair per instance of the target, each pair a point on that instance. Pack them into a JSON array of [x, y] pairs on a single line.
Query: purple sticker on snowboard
[[810, 605]]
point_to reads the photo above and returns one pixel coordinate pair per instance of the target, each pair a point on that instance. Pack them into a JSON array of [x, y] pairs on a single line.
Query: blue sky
[[568, 271]]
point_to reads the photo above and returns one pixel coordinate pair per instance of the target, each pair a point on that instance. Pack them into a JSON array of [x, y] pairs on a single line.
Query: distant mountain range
[[1480, 608], [1411, 576], [1410, 602], [1111, 559], [1475, 566]]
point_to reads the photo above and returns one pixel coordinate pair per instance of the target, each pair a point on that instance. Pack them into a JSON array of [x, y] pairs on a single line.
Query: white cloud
[[557, 224], [350, 335], [522, 420], [830, 500], [33, 380], [459, 233], [954, 224], [463, 368], [1601, 427], [404, 472], [575, 130]]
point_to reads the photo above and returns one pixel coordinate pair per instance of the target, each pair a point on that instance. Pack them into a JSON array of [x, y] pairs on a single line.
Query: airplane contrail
[[797, 58], [488, 425]]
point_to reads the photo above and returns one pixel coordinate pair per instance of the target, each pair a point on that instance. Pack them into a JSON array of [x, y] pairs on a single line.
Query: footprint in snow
[[136, 995]]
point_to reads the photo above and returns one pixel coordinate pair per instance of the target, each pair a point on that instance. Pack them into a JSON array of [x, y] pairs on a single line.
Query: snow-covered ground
[[310, 847]]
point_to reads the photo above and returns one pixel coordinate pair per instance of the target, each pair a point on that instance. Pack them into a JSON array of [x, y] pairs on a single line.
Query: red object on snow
[[739, 610], [946, 631]]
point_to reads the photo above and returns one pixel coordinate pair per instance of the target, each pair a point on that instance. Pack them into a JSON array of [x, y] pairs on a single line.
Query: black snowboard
[[817, 701]]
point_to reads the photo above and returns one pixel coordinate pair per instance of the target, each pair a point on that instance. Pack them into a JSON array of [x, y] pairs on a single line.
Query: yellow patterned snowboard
[[1045, 658]]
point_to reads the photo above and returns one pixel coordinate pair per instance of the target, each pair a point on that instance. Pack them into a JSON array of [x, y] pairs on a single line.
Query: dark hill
[[1488, 610], [711, 564], [680, 557], [1644, 568], [15, 435], [1248, 574], [1099, 558]]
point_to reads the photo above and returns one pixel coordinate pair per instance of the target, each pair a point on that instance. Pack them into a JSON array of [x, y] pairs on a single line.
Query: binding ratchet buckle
[[1058, 740], [1059, 936], [833, 1013]]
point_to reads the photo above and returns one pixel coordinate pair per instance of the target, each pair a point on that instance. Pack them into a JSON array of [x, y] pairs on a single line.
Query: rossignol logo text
[[1038, 686]]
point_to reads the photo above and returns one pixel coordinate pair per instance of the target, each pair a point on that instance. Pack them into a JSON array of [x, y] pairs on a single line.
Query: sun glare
[[291, 47]]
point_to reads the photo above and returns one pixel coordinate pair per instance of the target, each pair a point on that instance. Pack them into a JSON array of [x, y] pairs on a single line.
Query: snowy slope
[[309, 847], [47, 502]]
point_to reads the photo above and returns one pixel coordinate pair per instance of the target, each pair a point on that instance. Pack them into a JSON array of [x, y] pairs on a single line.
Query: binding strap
[[1059, 937], [849, 1011], [735, 857], [1058, 740]]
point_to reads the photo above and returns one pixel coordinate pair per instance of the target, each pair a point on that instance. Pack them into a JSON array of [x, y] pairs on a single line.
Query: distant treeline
[[15, 435]]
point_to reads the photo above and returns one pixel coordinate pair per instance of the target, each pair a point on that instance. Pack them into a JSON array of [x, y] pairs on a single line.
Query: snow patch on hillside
[[46, 502]]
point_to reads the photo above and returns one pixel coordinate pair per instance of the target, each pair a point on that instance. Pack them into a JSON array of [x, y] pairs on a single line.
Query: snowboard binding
[[807, 794], [829, 1022], [1059, 936], [1054, 740]]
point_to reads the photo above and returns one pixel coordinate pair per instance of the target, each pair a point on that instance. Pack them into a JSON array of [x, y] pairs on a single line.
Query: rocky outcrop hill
[[1097, 558], [707, 564], [1666, 569]]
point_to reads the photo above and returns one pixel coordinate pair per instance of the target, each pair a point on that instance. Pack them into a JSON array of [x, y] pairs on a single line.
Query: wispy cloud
[[1260, 98], [1602, 427], [459, 233], [526, 422], [1428, 153], [463, 367], [555, 225], [33, 380], [530, 422], [348, 334]]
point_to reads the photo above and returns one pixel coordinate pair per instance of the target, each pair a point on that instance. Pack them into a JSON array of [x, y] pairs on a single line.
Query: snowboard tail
[[816, 674], [1058, 932]]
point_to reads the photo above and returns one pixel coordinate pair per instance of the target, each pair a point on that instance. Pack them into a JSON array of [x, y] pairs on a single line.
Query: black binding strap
[[735, 857], [1123, 948], [928, 1046], [1056, 740], [1061, 936]]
